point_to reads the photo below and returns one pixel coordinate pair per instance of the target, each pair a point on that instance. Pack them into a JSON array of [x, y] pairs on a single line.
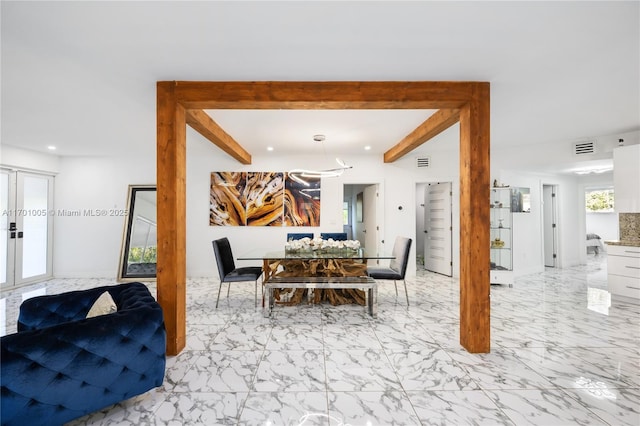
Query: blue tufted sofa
[[60, 366]]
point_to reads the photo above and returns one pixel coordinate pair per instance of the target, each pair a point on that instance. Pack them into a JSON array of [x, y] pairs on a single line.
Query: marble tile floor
[[562, 353]]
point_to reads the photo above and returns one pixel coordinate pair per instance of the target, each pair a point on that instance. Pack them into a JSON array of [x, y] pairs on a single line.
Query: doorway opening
[[363, 218], [601, 220]]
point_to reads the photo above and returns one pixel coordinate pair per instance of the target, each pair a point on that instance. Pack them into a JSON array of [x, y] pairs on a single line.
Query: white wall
[[90, 246], [603, 224], [528, 239], [29, 160], [397, 186], [444, 166], [87, 245]]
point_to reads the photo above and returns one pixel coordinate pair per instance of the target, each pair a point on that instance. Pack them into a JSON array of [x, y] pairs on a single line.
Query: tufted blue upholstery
[[291, 236], [60, 366], [335, 236]]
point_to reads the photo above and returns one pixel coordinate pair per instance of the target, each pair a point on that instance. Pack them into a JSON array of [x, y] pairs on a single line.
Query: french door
[[26, 227]]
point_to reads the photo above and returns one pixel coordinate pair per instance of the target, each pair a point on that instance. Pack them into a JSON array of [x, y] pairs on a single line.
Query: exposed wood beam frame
[[322, 95], [176, 99], [201, 122], [440, 121]]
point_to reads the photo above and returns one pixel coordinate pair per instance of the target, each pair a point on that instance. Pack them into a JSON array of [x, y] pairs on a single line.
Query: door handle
[[12, 235], [20, 234], [364, 231]]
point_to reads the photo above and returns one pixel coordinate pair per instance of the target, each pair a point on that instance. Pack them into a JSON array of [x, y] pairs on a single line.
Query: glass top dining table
[[272, 255], [272, 258]]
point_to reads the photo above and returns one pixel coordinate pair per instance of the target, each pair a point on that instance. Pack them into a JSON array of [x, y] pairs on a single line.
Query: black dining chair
[[228, 271], [397, 267], [299, 235], [336, 236]]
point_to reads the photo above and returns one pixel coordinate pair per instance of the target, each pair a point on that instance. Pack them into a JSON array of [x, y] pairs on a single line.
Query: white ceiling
[[81, 75], [346, 132]]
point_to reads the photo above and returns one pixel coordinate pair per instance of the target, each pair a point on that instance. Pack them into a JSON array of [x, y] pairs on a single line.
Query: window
[[599, 200], [346, 214]]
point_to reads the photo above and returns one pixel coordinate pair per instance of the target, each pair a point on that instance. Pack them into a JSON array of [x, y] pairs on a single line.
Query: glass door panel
[[35, 225], [26, 227]]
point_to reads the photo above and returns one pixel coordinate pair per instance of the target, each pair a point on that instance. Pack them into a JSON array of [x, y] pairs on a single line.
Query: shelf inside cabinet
[[501, 230]]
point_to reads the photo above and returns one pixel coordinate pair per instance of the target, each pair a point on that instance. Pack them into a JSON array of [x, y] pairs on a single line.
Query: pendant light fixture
[[299, 174]]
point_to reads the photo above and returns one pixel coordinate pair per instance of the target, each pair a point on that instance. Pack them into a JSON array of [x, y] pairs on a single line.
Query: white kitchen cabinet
[[623, 269], [626, 178]]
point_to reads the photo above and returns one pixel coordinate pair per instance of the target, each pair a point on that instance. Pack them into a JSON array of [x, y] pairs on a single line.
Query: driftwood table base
[[319, 268], [316, 288]]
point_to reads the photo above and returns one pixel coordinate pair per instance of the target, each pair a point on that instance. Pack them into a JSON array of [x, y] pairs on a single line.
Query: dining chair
[[336, 236], [299, 235], [397, 267], [228, 271]]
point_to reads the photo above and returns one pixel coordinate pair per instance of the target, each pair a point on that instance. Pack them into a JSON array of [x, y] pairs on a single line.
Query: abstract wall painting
[[302, 203], [262, 199], [227, 204], [263, 193]]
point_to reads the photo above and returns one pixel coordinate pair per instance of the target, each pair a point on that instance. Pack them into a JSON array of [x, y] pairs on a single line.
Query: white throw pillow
[[102, 306]]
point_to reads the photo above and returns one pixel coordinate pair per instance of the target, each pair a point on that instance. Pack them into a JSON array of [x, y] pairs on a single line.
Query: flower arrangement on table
[[319, 244]]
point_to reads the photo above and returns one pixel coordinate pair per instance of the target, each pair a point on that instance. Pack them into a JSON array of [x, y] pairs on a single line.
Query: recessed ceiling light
[[51, 148], [269, 148], [367, 148]]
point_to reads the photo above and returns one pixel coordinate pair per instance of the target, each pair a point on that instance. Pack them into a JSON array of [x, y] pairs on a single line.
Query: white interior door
[[369, 218], [27, 227], [549, 225], [438, 228]]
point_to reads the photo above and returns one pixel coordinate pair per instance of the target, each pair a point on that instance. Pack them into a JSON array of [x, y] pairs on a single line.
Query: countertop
[[629, 243]]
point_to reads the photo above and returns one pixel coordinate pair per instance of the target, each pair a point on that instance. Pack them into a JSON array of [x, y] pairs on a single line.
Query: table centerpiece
[[320, 245]]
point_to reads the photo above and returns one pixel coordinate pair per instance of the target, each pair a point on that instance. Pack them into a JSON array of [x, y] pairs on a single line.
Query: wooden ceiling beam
[[433, 126], [323, 95], [202, 123]]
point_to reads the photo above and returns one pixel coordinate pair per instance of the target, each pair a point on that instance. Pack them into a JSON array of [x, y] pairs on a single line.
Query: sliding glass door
[[26, 226]]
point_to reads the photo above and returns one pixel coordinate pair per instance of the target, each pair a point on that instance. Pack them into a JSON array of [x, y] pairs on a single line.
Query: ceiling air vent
[[423, 162], [581, 148]]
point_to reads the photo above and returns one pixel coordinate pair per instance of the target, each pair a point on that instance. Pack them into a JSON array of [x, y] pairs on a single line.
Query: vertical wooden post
[[171, 205], [475, 328]]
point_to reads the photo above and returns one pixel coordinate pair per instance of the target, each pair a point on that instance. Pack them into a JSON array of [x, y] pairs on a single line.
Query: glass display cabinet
[[501, 225]]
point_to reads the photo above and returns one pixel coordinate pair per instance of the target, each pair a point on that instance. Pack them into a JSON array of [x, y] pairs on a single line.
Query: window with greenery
[[143, 254], [599, 200]]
